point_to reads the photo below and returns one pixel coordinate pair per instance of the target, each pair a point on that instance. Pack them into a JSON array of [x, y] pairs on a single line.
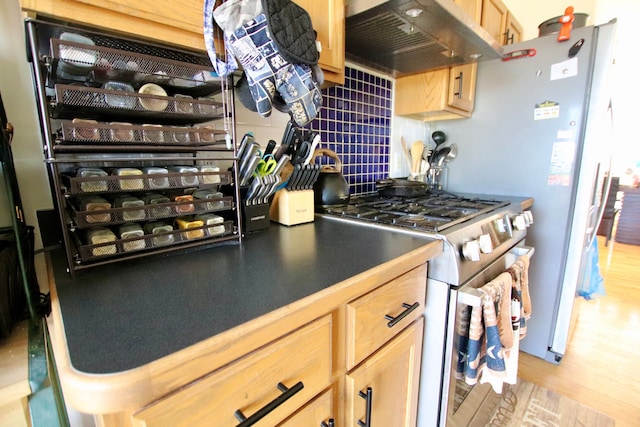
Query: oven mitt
[[292, 31], [266, 70]]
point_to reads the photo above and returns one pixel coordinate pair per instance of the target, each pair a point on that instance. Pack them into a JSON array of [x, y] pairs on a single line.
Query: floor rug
[[529, 405]]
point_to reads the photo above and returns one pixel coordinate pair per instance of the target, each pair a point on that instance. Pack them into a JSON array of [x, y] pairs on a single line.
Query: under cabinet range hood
[[402, 37]]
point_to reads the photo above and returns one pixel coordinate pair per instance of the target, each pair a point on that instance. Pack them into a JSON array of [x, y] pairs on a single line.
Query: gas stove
[[430, 213], [460, 220]]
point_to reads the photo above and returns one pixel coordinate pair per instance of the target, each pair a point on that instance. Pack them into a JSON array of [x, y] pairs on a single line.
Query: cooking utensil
[[314, 145], [453, 153], [439, 137], [416, 156], [330, 189], [405, 152], [392, 187], [442, 154], [266, 165]]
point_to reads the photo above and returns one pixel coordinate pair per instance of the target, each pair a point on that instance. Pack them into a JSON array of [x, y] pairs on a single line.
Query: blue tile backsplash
[[355, 122]]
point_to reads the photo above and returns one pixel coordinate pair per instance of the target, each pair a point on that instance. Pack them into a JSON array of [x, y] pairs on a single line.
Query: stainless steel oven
[[462, 404]]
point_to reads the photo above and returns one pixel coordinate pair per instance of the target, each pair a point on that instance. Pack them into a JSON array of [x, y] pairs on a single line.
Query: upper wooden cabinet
[[500, 23], [180, 22], [472, 7], [437, 95], [328, 21]]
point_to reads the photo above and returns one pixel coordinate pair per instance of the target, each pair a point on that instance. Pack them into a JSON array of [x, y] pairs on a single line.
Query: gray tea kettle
[[330, 189]]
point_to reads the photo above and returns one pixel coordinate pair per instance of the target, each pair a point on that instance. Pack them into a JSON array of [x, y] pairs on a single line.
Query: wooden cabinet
[[319, 411], [383, 391], [376, 317], [500, 23], [328, 21], [180, 22], [289, 371], [472, 7], [437, 95]]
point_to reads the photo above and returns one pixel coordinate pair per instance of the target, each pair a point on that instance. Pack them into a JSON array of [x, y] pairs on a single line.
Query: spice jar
[[211, 219], [91, 186], [127, 201], [210, 175], [131, 231], [157, 199], [99, 235], [157, 182], [214, 204], [159, 227], [189, 177], [187, 223], [128, 183], [95, 204]]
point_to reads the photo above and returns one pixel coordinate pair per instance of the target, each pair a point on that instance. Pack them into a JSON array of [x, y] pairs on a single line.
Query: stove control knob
[[519, 222], [528, 216], [486, 246], [504, 225], [471, 250]]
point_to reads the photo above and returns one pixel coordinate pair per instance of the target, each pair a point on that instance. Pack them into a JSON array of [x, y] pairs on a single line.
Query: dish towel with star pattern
[[487, 359]]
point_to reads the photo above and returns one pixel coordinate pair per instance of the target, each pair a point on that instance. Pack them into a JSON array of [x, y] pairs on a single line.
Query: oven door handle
[[473, 297]]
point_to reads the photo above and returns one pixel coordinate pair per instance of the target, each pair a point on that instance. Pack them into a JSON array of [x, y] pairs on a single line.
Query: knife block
[[292, 207]]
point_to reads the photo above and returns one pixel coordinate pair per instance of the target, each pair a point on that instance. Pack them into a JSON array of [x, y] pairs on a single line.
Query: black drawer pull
[[331, 423], [368, 398], [459, 92], [287, 393], [409, 308]]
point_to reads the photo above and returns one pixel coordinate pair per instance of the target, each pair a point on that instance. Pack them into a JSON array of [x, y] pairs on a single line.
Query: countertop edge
[[127, 390]]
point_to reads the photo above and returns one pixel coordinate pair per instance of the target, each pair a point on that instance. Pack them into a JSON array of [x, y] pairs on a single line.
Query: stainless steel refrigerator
[[542, 127]]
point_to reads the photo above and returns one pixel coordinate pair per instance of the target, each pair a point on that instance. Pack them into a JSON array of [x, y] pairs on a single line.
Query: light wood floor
[[601, 367]]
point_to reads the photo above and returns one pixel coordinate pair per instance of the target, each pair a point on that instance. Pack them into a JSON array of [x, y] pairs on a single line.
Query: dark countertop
[[121, 316]]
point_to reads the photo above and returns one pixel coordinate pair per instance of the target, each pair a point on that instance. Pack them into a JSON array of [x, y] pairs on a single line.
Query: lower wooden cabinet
[[383, 391], [320, 410], [255, 385]]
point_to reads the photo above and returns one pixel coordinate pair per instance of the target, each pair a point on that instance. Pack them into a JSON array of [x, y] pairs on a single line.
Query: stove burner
[[434, 212]]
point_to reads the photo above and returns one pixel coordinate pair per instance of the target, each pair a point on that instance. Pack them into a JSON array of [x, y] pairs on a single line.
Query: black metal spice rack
[[88, 125]]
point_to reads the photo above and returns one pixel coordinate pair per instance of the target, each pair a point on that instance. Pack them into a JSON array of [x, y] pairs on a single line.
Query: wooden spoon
[[416, 156]]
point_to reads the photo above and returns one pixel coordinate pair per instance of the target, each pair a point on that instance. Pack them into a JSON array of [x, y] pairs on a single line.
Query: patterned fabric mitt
[[266, 70]]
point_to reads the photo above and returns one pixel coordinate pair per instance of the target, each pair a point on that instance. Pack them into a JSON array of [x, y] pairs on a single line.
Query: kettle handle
[[329, 153]]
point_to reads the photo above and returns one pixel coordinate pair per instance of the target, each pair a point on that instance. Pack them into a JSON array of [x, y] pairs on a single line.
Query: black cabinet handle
[[459, 92], [509, 38], [409, 308], [368, 398], [330, 423], [287, 393]]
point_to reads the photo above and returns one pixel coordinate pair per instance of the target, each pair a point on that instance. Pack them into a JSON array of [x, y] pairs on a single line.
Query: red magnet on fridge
[[567, 24]]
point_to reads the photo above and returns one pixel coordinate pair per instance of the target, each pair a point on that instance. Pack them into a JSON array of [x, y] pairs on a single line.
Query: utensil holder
[[437, 177], [292, 207]]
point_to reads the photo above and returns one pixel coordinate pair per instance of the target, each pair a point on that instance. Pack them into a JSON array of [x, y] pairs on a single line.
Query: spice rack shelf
[[138, 142]]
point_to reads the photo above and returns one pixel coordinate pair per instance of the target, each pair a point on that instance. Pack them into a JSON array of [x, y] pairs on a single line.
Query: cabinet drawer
[[317, 412], [251, 384], [376, 317]]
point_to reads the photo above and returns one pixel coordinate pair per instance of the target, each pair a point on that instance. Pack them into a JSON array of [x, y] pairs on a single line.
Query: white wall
[[19, 101]]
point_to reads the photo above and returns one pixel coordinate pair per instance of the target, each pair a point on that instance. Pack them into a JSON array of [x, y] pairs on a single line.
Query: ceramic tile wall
[[355, 122]]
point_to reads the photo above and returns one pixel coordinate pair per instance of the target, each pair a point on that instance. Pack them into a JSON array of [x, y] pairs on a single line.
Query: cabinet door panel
[[316, 412], [462, 86], [393, 374], [494, 18], [327, 17], [472, 7], [369, 323], [183, 14], [250, 384], [514, 30]]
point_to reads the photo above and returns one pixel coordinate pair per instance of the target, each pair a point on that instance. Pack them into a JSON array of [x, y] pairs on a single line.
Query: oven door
[[465, 405]]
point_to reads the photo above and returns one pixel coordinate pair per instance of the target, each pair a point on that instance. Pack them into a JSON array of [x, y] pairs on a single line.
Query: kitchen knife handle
[[287, 393], [368, 398], [394, 320]]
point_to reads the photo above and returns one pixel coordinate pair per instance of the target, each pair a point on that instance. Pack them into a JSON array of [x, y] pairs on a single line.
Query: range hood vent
[[385, 38]]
